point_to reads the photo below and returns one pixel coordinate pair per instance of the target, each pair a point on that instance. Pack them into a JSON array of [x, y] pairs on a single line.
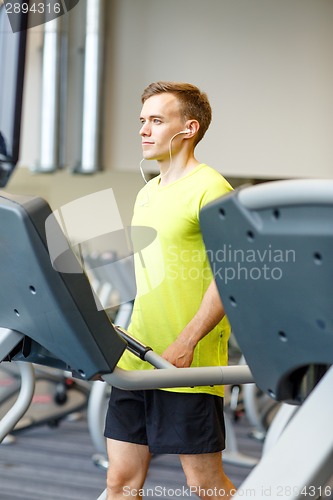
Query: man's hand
[[179, 353]]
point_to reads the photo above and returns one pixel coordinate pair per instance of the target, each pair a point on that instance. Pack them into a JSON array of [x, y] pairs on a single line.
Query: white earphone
[[186, 131]]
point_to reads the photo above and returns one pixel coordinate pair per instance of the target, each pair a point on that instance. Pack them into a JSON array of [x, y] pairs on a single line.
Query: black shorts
[[167, 422]]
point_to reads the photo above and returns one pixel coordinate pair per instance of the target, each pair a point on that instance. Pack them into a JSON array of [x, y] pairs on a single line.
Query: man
[[177, 309]]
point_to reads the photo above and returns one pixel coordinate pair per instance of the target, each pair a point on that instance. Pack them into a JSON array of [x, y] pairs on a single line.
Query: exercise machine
[[270, 248], [271, 314], [57, 396]]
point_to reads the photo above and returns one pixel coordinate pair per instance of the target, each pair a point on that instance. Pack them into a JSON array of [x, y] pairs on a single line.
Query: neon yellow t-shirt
[[173, 272]]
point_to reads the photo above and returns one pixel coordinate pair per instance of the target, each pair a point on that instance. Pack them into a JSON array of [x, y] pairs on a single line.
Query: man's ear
[[192, 126]]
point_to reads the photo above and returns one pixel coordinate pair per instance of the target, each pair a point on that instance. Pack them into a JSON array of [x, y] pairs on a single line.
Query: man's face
[[161, 120]]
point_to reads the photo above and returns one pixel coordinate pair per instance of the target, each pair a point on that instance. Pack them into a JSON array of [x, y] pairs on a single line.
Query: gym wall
[[265, 64]]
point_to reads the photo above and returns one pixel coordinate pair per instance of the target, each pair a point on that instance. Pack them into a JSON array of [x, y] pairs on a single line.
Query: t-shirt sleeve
[[217, 187]]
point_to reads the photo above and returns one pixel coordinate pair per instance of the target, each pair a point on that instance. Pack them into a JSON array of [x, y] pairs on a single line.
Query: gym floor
[[46, 463]]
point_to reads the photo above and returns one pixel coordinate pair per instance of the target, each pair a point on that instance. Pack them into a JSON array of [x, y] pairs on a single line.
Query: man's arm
[[180, 352]]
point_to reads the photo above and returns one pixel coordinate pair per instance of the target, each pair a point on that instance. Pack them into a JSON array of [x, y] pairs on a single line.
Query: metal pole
[[8, 422], [63, 92], [49, 149], [90, 149]]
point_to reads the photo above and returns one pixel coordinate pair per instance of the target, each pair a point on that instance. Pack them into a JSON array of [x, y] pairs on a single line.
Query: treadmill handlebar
[[133, 345], [168, 376], [179, 377]]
